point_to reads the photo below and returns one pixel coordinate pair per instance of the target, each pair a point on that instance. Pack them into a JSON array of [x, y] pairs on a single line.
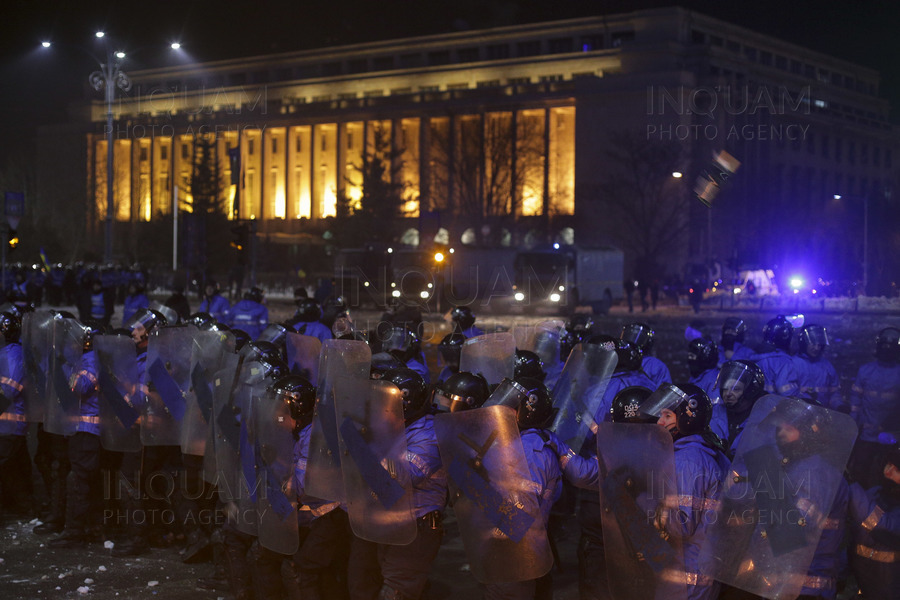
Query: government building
[[566, 131]]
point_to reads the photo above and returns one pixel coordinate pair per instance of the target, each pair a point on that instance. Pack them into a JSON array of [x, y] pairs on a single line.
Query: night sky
[[38, 84]]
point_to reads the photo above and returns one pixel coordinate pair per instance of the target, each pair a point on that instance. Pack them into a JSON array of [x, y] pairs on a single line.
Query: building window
[[750, 53], [467, 55], [592, 42], [529, 48], [185, 151], [698, 37], [796, 67], [550, 78], [357, 65], [163, 153], [765, 58], [298, 144], [732, 46], [237, 79], [383, 63], [274, 145], [809, 71], [781, 62], [560, 45], [621, 37], [518, 80], [498, 51], [331, 69], [439, 57], [143, 157], [409, 61], [251, 146], [284, 74], [259, 76], [488, 83]]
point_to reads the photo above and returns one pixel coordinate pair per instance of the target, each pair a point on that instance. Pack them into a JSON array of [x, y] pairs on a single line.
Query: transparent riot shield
[[207, 353], [63, 407], [168, 379], [777, 496], [492, 355], [273, 443], [251, 384], [339, 358], [226, 430], [496, 501], [303, 355], [372, 439], [36, 343], [545, 342], [119, 392], [588, 367], [637, 474]]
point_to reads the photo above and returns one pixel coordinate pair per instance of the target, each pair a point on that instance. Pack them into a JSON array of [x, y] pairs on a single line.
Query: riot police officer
[[642, 336], [250, 314], [702, 360], [450, 349], [15, 462], [741, 383], [464, 322], [734, 330], [214, 302], [776, 362], [818, 378], [306, 320]]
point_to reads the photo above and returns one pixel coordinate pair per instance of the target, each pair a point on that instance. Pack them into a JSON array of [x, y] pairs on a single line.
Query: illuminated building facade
[[513, 125]]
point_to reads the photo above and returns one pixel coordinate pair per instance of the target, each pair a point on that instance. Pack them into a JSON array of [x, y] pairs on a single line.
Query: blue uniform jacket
[[707, 382], [217, 306], [818, 380], [83, 381], [656, 370], [699, 471], [738, 352], [543, 466], [875, 399], [12, 377], [429, 478], [313, 329], [420, 368], [780, 371], [249, 316], [133, 303], [875, 535], [472, 332]]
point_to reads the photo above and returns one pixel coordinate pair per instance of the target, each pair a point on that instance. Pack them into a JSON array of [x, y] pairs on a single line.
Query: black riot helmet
[[255, 294], [703, 355], [381, 363], [733, 330], [334, 308], [401, 342], [308, 310], [528, 364], [263, 350], [300, 396], [147, 318], [779, 332], [741, 383], [10, 327], [450, 348], [461, 391], [811, 341], [629, 356], [201, 320], [639, 334], [463, 317], [170, 314], [887, 345], [529, 397], [413, 390], [577, 330], [690, 404], [91, 328], [626, 405]]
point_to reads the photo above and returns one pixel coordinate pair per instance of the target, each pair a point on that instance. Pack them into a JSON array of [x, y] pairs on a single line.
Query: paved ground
[[29, 570]]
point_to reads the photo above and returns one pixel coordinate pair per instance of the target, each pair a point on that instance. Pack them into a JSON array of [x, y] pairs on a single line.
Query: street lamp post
[[108, 78]]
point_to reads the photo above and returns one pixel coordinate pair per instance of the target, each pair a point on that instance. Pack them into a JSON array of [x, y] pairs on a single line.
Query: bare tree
[[638, 194]]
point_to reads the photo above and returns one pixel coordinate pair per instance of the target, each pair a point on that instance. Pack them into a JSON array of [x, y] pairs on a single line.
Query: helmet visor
[[815, 336], [637, 334], [396, 339], [508, 393], [273, 333], [733, 377], [667, 396]]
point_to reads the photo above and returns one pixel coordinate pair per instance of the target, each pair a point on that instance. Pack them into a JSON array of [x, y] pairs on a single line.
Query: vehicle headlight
[[519, 296], [423, 294], [737, 290], [395, 293], [554, 297]]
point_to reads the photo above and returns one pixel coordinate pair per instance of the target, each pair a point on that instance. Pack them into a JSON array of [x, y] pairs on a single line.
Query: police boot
[[238, 570], [218, 581], [70, 538]]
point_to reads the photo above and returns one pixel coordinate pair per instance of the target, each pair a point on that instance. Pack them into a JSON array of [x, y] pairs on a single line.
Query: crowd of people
[[309, 459]]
